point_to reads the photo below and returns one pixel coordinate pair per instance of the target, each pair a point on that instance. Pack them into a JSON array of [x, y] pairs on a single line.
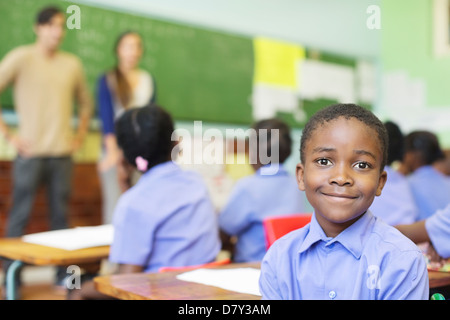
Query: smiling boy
[[345, 252]]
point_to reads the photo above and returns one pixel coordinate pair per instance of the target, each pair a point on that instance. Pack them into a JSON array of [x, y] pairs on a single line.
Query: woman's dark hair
[[396, 144], [426, 144], [46, 14], [284, 142], [346, 111], [145, 132], [124, 91]]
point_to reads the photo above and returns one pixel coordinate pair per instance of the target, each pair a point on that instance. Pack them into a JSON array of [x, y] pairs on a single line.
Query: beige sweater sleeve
[[9, 67]]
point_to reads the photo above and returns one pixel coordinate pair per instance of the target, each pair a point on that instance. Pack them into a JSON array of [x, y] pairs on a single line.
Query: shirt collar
[[353, 238]]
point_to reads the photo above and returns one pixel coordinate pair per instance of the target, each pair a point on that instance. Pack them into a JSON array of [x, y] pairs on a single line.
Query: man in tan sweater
[[46, 83]]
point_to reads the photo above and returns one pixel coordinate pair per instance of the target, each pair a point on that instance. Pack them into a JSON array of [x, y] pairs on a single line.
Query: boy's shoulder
[[390, 237]]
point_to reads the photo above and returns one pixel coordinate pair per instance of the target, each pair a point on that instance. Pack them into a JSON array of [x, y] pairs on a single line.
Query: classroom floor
[[38, 284]]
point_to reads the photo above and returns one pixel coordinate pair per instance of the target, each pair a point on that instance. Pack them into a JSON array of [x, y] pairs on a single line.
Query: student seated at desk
[[345, 252], [396, 203], [166, 219], [430, 187], [271, 191]]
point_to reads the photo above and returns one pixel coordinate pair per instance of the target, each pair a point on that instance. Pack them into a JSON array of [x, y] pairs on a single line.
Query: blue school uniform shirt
[[254, 198], [166, 219], [396, 203], [369, 260], [438, 229], [431, 190]]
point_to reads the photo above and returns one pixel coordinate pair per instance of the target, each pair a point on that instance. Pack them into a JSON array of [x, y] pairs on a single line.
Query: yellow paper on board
[[276, 62]]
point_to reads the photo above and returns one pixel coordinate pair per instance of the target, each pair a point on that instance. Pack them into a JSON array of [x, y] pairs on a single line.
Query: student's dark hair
[[46, 14], [284, 142], [396, 144], [145, 132], [124, 91], [346, 111], [426, 144]]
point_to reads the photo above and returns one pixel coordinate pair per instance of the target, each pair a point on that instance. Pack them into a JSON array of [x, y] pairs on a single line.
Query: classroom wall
[[415, 81], [330, 25]]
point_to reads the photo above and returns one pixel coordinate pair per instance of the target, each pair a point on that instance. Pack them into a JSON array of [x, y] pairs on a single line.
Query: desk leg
[[11, 275]]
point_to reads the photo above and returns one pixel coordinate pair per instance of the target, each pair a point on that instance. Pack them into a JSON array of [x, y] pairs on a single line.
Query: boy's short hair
[[46, 14], [285, 140], [426, 143], [346, 111]]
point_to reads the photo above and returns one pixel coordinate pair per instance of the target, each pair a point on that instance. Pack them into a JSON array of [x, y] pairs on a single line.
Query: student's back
[[166, 219], [396, 204], [271, 191], [253, 199], [431, 188]]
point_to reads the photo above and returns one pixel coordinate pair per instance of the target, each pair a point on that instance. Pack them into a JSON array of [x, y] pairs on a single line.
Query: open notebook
[[73, 238]]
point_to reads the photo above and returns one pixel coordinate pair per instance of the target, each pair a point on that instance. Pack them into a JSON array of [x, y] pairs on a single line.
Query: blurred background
[[230, 63]]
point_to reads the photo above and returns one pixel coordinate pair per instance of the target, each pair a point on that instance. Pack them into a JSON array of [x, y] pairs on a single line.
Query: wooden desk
[[439, 279], [165, 286], [23, 252]]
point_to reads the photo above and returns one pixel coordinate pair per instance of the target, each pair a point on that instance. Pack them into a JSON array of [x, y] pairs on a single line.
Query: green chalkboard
[[200, 74]]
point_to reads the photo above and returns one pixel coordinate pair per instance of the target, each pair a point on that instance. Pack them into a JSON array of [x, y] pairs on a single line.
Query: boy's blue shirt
[[369, 261]]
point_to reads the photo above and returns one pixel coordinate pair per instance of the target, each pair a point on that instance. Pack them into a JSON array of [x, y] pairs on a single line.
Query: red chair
[[277, 226], [187, 268]]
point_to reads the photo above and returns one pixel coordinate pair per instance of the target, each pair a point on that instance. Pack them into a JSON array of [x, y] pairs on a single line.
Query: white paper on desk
[[74, 238], [243, 280]]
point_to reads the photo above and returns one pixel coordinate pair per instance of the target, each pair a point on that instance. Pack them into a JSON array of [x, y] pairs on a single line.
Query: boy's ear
[[381, 182], [300, 174]]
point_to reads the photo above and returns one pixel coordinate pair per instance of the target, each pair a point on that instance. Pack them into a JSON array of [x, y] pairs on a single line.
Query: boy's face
[[341, 172]]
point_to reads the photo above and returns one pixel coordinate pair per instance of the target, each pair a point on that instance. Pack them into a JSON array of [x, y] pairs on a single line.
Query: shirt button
[[332, 294]]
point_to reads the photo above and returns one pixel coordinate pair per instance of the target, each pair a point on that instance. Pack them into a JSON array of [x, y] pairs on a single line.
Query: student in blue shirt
[[430, 187], [345, 252], [266, 193], [396, 204], [166, 219]]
